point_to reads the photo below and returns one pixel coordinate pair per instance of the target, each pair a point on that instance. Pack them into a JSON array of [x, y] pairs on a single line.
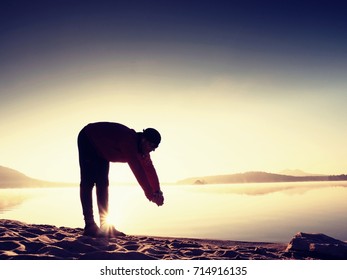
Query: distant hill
[[297, 172], [10, 178], [258, 177]]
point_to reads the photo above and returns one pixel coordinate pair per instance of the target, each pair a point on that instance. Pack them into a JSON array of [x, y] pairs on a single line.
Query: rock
[[317, 245]]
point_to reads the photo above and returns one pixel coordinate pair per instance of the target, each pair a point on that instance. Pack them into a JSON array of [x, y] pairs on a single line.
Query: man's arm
[[146, 176]]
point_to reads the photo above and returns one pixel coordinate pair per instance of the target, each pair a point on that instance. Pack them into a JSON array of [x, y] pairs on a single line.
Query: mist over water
[[251, 212]]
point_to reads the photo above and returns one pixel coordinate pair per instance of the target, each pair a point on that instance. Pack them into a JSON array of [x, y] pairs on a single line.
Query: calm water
[[251, 212]]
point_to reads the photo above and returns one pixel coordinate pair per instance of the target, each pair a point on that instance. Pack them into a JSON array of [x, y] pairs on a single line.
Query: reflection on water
[[10, 199], [254, 212]]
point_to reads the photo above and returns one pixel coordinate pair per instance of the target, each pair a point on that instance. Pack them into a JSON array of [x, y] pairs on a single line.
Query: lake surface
[[271, 212]]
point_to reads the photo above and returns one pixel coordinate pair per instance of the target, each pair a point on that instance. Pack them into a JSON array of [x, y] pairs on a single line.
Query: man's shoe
[[92, 230]]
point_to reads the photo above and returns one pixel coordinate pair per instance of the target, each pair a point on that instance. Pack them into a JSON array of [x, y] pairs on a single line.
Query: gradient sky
[[232, 86]]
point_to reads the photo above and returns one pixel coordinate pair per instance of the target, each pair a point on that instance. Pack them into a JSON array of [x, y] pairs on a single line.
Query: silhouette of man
[[104, 142]]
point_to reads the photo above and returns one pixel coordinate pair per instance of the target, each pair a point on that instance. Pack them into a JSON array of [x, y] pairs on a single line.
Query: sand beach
[[24, 241]]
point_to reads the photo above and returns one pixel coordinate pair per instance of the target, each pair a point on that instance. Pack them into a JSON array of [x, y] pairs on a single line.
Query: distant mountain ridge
[[10, 178], [297, 172], [259, 177]]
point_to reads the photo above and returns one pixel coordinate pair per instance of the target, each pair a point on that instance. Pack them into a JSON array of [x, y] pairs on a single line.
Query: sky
[[232, 86]]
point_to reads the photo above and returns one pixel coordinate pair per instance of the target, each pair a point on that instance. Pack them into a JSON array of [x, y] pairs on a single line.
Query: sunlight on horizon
[[132, 213]]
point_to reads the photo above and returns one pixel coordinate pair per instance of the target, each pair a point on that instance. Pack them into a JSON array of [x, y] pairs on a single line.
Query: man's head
[[152, 137]]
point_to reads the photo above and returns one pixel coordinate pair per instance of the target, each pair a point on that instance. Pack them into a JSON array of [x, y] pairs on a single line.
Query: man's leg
[[87, 168], [86, 197], [102, 184]]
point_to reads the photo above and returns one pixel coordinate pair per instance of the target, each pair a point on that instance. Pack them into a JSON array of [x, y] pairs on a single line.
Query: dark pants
[[94, 171]]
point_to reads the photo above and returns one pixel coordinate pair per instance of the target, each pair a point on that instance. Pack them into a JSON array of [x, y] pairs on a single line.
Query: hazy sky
[[232, 86]]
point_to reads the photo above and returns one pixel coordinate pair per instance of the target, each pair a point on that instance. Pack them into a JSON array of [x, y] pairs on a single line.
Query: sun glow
[[112, 220]]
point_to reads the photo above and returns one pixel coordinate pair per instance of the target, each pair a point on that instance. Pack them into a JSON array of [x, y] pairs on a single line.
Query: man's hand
[[158, 198]]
